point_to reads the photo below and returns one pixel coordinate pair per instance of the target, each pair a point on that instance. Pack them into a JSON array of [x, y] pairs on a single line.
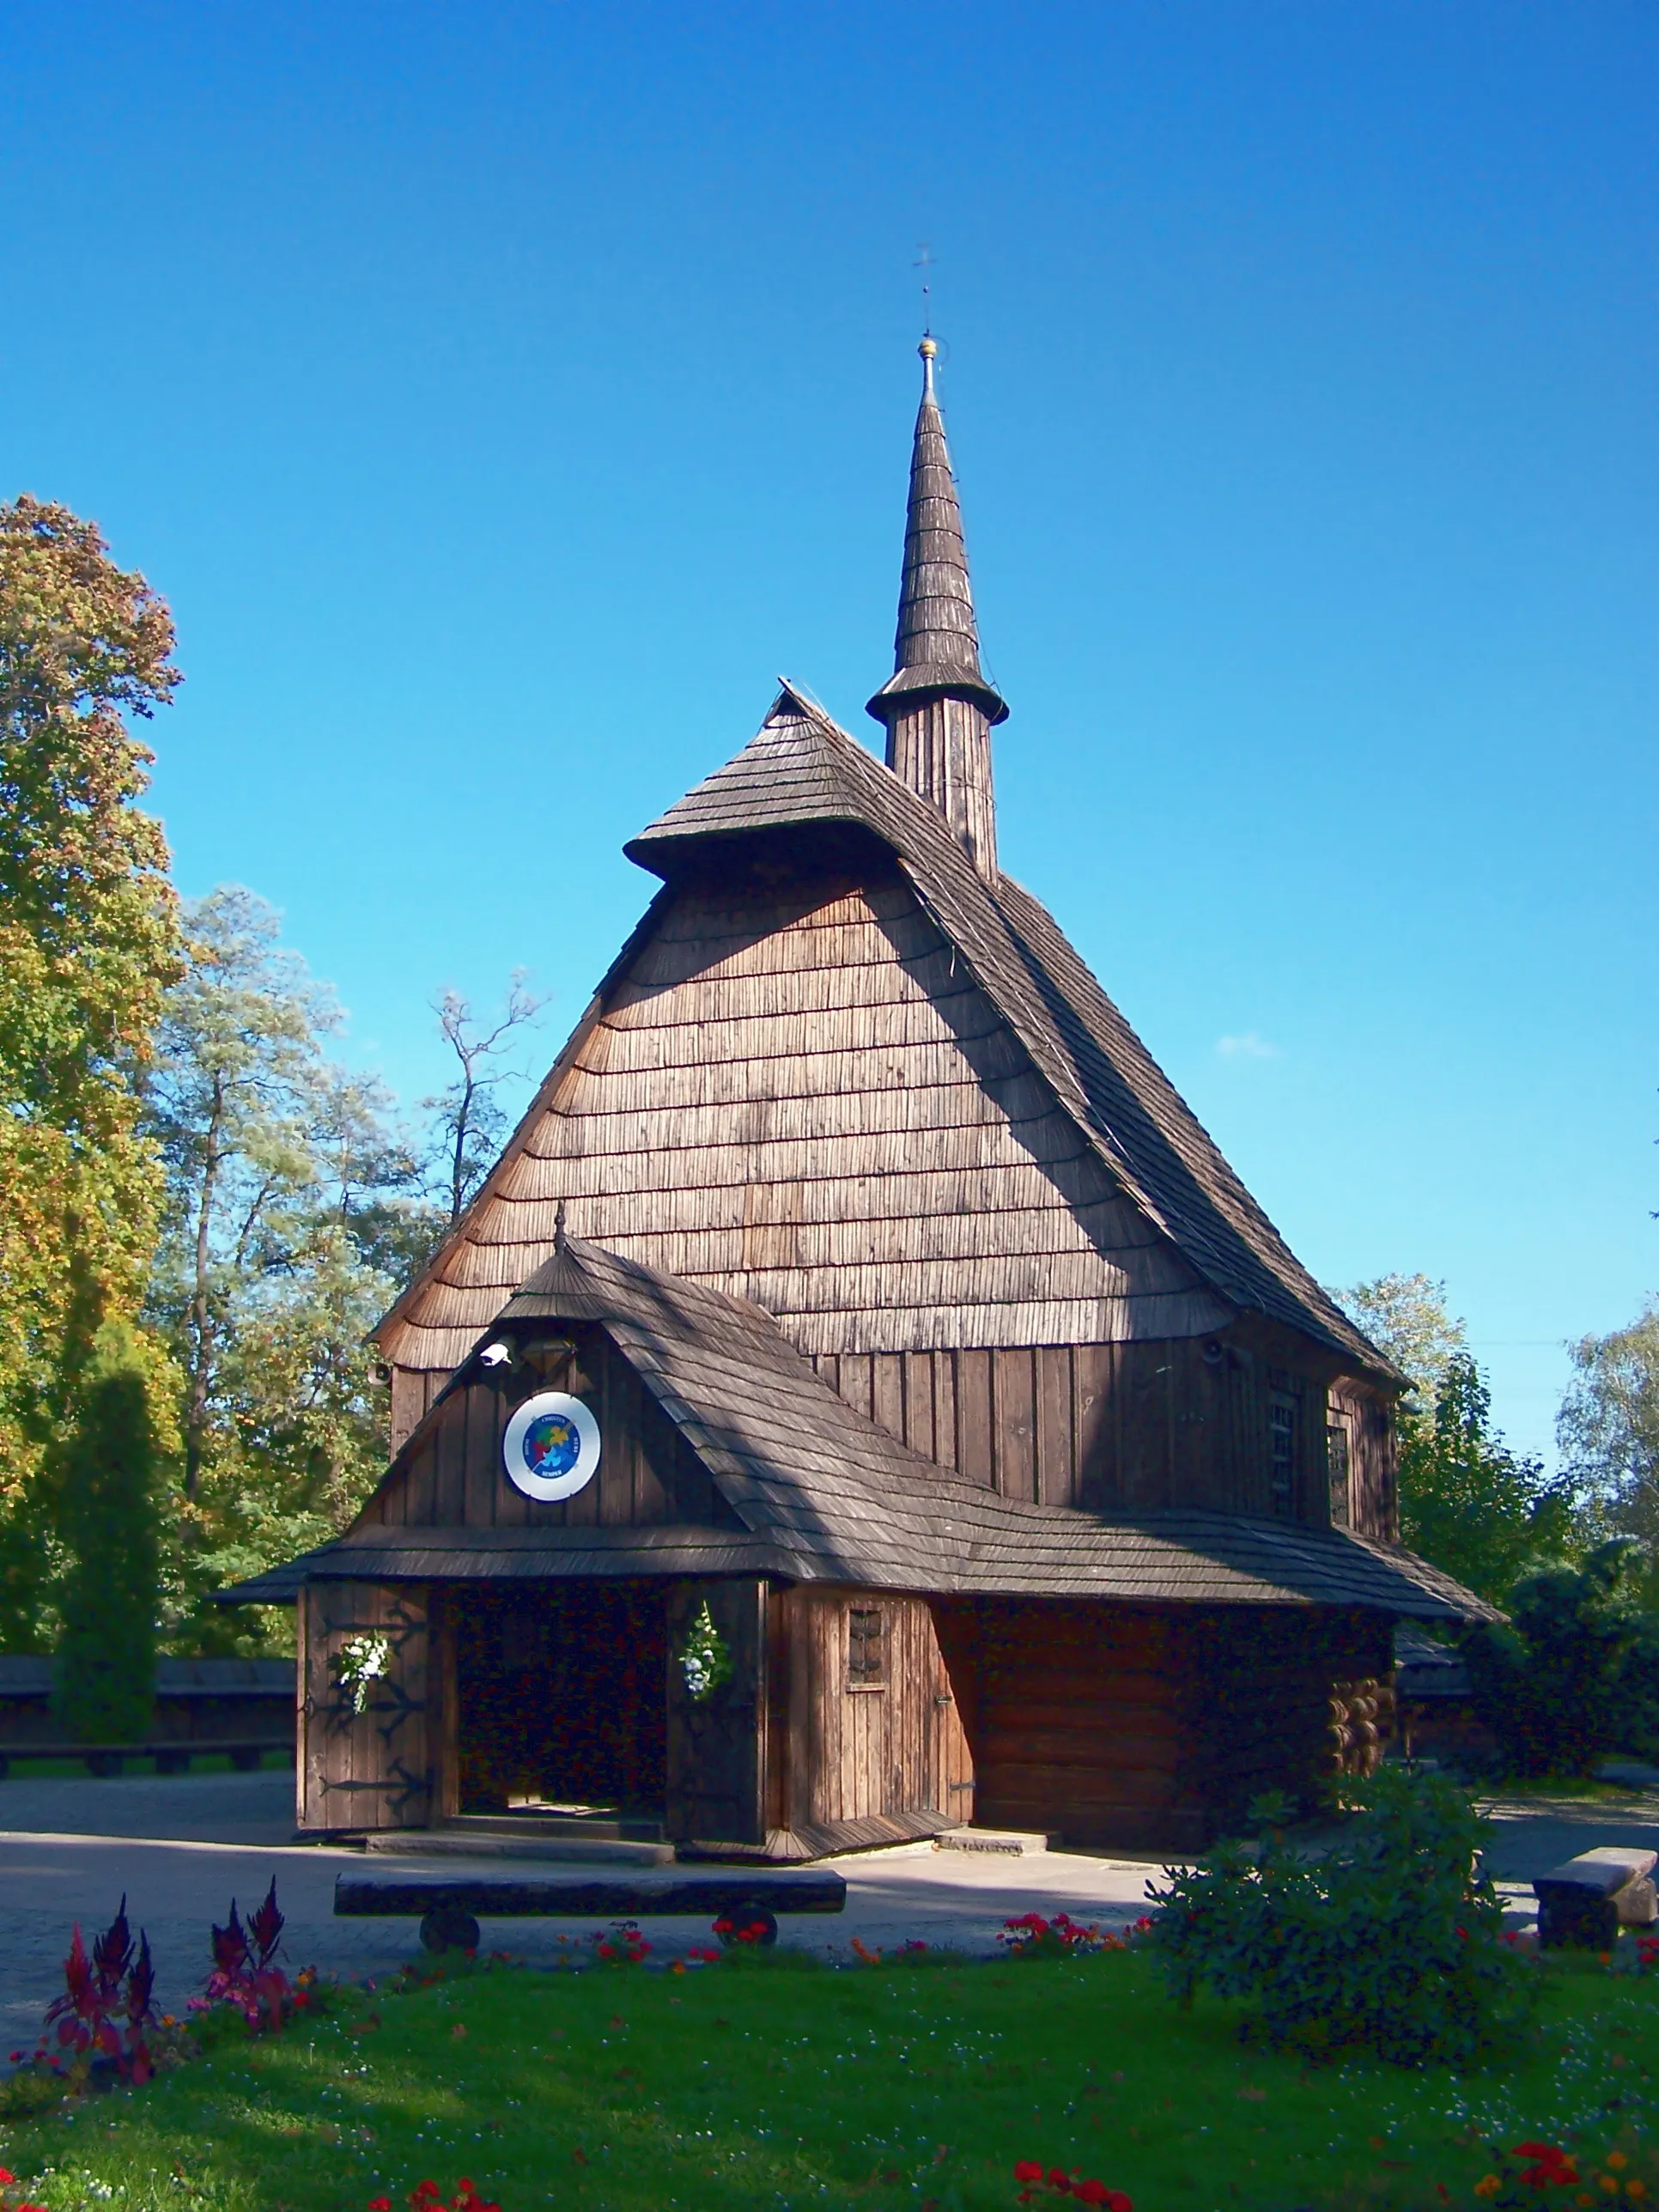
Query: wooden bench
[[450, 1905], [1583, 1904]]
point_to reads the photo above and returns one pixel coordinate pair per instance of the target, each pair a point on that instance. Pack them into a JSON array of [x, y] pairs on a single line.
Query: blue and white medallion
[[551, 1448]]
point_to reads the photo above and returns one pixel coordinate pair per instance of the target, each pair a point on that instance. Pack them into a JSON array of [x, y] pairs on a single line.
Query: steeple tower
[[939, 709]]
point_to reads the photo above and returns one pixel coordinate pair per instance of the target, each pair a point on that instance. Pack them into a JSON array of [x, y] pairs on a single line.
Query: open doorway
[[561, 1701]]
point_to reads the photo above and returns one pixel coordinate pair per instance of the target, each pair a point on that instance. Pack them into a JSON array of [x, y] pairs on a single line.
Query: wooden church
[[861, 1401]]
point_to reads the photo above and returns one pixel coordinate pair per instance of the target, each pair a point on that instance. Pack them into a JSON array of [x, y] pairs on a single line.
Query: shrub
[[1573, 1674], [1391, 1943]]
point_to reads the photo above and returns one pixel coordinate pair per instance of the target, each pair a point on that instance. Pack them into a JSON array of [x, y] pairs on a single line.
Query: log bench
[[1583, 1904], [450, 1905]]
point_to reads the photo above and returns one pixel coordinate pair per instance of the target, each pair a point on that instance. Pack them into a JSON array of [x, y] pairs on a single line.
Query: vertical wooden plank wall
[[369, 1769], [717, 1747], [1109, 1427], [451, 1476], [1373, 1459], [858, 1754]]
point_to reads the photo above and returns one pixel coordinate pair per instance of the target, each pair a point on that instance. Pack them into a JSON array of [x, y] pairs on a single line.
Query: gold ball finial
[[927, 349]]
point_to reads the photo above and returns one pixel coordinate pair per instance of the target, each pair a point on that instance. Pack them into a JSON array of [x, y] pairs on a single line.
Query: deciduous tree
[[291, 1200], [1608, 1426], [1466, 1502], [1469, 1503], [87, 945], [468, 1120]]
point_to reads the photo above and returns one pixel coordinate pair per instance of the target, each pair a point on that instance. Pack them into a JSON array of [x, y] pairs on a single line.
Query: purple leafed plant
[[105, 2010], [245, 1972]]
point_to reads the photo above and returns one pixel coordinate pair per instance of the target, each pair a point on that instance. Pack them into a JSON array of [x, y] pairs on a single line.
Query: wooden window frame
[[1282, 1412], [1339, 1472], [866, 1672]]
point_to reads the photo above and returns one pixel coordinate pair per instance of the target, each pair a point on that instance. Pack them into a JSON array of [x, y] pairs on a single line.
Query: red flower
[[6, 2179], [1091, 2192], [380, 2204], [1060, 2179], [1029, 2169]]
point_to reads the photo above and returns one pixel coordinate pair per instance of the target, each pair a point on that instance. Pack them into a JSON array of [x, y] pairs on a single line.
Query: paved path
[[182, 1847]]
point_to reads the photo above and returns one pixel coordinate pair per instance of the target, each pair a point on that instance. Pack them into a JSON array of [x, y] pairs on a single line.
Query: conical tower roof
[[936, 650]]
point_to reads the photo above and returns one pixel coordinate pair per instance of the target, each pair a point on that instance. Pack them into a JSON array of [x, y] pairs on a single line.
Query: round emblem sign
[[551, 1448]]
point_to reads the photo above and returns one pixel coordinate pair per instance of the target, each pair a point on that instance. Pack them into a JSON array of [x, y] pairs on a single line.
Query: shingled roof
[[821, 1494], [936, 646], [803, 769]]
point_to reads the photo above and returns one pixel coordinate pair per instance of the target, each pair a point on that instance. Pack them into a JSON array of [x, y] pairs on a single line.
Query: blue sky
[[503, 395]]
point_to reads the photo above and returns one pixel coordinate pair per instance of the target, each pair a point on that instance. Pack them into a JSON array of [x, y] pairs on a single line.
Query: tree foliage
[[1574, 1674], [1407, 1317], [109, 1522], [1608, 1427], [1468, 1502], [293, 1207], [87, 945]]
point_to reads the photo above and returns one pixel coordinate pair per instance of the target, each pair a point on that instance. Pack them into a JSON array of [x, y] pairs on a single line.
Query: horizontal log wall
[[1261, 1689], [1146, 1728], [1075, 1718]]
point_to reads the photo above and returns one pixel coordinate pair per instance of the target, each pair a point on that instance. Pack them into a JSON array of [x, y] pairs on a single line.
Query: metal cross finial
[[924, 261]]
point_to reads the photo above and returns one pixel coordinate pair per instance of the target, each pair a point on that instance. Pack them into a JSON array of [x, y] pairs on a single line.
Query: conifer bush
[[104, 1690], [1390, 1943]]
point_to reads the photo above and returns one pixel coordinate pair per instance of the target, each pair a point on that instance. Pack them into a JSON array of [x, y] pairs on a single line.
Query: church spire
[[938, 707]]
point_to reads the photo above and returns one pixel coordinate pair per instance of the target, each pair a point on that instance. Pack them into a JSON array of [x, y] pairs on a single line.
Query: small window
[[1336, 1445], [1281, 1450], [866, 1648]]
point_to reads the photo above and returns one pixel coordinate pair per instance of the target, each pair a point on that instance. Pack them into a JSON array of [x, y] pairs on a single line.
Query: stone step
[[1005, 1842], [607, 1828], [575, 1850]]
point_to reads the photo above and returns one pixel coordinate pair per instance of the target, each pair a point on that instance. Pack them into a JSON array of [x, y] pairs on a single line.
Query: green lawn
[[25, 1769], [755, 2083]]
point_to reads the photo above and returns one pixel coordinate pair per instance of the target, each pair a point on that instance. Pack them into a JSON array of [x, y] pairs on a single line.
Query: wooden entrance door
[[717, 1743], [363, 1758]]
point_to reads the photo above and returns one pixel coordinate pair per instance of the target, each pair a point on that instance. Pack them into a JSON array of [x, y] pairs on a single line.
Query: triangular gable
[[801, 771]]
